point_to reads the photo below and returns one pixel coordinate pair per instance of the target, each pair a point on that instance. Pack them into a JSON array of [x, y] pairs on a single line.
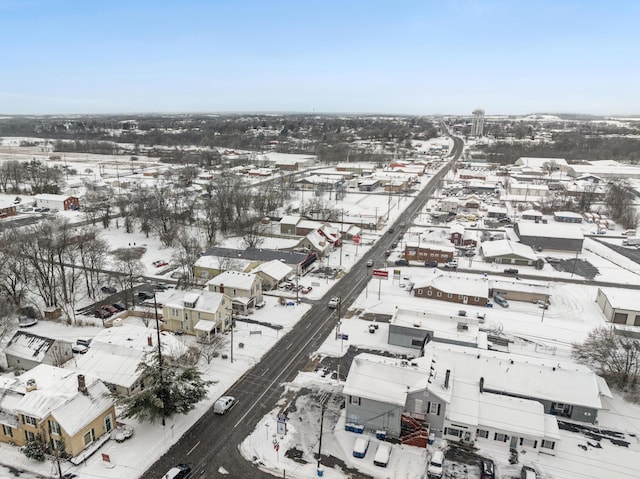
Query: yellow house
[[197, 312], [210, 266], [56, 405]]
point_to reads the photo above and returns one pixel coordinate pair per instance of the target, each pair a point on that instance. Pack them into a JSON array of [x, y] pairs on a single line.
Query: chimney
[[222, 288], [447, 375], [149, 340], [82, 387], [31, 385], [481, 385]]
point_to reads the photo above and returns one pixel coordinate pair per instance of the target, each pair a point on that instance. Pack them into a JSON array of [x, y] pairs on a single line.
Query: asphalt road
[[212, 443]]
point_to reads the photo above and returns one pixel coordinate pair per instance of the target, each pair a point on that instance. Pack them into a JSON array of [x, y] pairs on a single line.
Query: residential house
[[464, 394], [26, 351], [531, 215], [244, 289], [453, 289], [315, 242], [272, 273], [449, 204], [58, 405], [196, 312], [550, 236], [7, 208], [462, 237], [288, 224], [116, 353], [295, 259], [209, 266], [507, 252], [368, 184]]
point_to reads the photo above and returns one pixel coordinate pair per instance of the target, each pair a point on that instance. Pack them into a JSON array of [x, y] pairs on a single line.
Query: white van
[[383, 452], [435, 468], [223, 404]]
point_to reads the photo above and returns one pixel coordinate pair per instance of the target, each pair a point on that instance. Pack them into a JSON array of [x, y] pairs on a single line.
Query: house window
[[620, 318], [500, 437], [107, 423], [29, 436], [528, 442], [636, 322], [54, 427], [548, 444], [354, 400], [459, 296], [416, 342], [434, 408], [429, 293], [483, 433], [453, 432], [89, 437], [449, 295], [30, 420], [439, 295], [7, 431], [476, 299], [420, 292]]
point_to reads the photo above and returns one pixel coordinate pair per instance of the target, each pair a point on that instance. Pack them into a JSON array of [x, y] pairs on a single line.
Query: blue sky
[[412, 57]]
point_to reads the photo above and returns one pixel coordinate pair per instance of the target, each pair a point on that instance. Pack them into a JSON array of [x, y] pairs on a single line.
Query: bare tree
[[253, 235], [186, 254], [212, 347], [616, 357], [128, 263]]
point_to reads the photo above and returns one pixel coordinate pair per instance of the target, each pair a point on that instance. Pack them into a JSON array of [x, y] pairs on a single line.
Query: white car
[[79, 348], [223, 404]]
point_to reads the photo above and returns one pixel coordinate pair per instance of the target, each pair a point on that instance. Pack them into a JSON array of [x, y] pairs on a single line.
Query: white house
[[244, 289]]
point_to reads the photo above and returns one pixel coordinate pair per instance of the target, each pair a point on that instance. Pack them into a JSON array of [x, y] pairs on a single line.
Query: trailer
[[633, 241]]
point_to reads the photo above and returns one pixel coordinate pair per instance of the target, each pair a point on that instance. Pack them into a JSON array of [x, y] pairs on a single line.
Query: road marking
[[191, 450], [289, 346], [264, 372], [277, 378]]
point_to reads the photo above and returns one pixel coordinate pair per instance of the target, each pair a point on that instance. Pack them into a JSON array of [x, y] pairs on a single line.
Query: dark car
[[487, 469], [108, 290], [431, 264], [402, 262], [109, 308], [144, 295], [510, 271], [119, 306]]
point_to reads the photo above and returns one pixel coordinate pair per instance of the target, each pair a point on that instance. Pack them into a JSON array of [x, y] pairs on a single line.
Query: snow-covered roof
[[447, 248], [50, 197], [204, 300], [550, 230], [522, 286], [492, 249], [222, 262], [233, 279], [622, 298], [454, 285], [444, 327], [518, 375], [274, 269], [204, 325], [532, 213], [115, 353], [29, 346], [566, 214], [289, 220], [71, 408], [383, 379], [539, 162]]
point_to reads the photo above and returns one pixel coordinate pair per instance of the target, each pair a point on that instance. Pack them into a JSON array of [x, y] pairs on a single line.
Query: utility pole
[[163, 392], [232, 325], [323, 403], [342, 211]]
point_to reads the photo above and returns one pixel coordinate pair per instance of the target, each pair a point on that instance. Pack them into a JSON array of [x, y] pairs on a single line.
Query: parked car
[[528, 473], [160, 263], [223, 404], [510, 271], [501, 301], [431, 264], [435, 469], [487, 469], [108, 290], [119, 306], [179, 471], [144, 295], [84, 341], [453, 264], [462, 312], [334, 302], [161, 286], [79, 348], [109, 308], [402, 262], [260, 304]]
